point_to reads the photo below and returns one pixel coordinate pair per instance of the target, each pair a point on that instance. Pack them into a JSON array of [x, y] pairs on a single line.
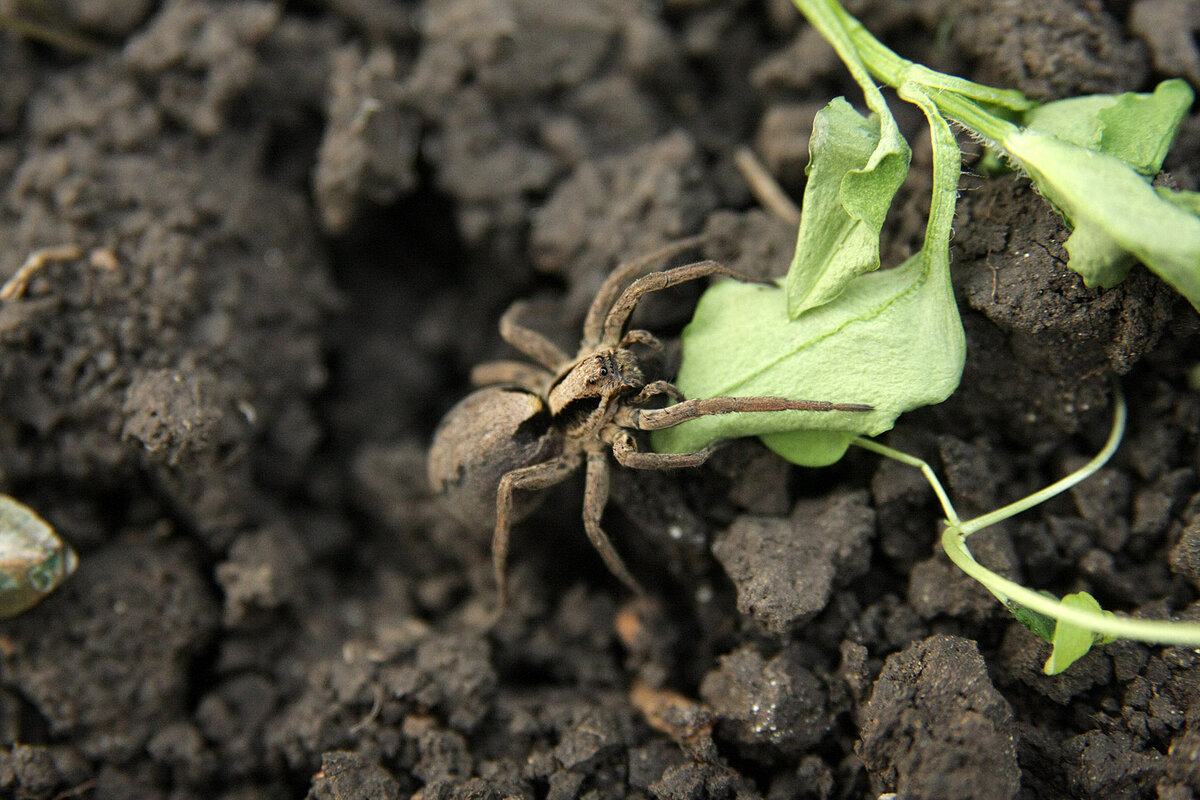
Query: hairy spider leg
[[529, 341], [644, 338], [656, 389], [618, 315], [607, 293], [531, 478], [657, 418], [517, 373], [625, 451], [595, 497]]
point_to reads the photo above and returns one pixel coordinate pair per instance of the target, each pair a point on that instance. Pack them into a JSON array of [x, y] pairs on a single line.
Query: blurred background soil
[[299, 223]]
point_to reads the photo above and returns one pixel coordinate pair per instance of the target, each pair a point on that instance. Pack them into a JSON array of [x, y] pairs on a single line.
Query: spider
[[534, 424]]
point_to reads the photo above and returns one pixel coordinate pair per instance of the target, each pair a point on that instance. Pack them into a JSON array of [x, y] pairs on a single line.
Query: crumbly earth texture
[[297, 225]]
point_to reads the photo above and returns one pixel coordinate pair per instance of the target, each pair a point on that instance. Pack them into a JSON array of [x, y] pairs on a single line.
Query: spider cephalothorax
[[591, 386], [535, 424]]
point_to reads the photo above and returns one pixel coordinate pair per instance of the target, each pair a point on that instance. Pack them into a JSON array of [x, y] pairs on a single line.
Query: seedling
[[536, 424], [898, 330], [1074, 623], [837, 327], [891, 338]]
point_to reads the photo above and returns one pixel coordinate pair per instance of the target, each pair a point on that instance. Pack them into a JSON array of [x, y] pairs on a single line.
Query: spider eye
[[603, 371]]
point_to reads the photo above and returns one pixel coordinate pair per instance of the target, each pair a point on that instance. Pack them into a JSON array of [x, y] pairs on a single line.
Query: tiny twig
[[15, 287], [765, 188], [75, 791], [64, 40], [995, 275], [373, 714]]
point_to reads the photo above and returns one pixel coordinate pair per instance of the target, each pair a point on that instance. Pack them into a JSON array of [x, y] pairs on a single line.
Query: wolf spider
[[533, 425]]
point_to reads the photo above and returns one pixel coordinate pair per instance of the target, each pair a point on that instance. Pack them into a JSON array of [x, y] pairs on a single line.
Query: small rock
[[936, 727], [785, 569], [777, 702], [346, 774]]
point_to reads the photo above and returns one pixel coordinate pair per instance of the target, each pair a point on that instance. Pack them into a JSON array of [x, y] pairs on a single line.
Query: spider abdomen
[[489, 433]]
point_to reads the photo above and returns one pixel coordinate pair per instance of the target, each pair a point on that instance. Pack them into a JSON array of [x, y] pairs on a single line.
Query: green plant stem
[[947, 169], [839, 29], [982, 109], [1143, 630], [1120, 415], [955, 545], [825, 18], [969, 114], [834, 23], [883, 62], [913, 461]]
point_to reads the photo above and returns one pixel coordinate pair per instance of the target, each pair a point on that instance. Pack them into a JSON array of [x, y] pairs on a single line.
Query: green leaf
[[854, 170], [1039, 624], [892, 338], [1188, 201], [1072, 642], [861, 51], [1136, 128], [1116, 214], [809, 448], [851, 197]]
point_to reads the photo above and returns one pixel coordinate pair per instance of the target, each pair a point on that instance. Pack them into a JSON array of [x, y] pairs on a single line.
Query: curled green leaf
[[1136, 128], [1071, 642], [1116, 214], [1038, 624], [856, 165], [1188, 201], [892, 339]]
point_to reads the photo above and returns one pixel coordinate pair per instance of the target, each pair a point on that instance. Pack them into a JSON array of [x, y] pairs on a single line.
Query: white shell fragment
[[33, 560]]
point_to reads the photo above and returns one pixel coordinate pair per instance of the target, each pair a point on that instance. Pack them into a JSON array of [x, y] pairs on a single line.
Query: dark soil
[[318, 211]]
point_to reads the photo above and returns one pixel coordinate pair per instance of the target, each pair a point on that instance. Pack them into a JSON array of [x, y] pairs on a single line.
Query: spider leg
[[618, 316], [627, 413], [607, 293], [518, 373], [595, 496], [529, 341], [644, 338], [656, 418], [627, 455], [654, 389], [531, 478]]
